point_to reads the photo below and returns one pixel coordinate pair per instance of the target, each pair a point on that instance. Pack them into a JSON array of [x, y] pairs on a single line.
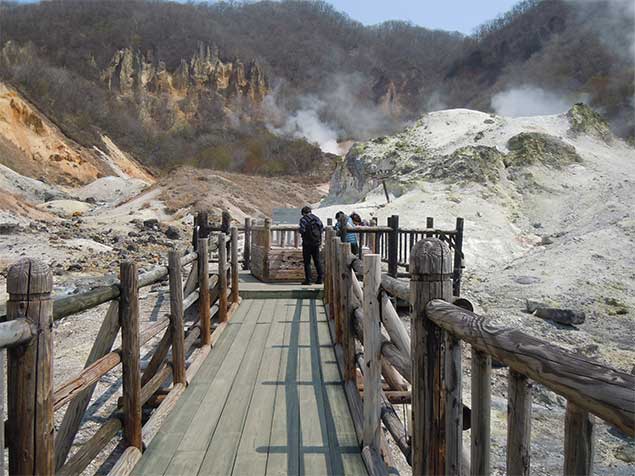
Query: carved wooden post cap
[[431, 260], [29, 277]]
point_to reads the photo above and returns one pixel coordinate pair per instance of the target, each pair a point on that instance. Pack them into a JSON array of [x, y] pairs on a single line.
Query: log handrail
[[45, 455], [433, 366], [596, 388]]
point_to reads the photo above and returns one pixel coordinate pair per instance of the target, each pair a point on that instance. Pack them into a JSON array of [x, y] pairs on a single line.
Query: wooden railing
[[197, 305], [424, 368]]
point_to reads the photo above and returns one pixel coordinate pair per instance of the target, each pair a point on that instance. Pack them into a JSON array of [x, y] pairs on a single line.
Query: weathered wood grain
[[91, 448], [518, 424], [601, 390], [176, 317], [203, 287], [372, 351], [480, 418], [30, 371], [578, 442], [129, 321], [74, 413], [430, 267]]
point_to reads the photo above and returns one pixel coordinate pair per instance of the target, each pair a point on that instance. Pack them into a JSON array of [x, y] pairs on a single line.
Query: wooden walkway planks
[[268, 400]]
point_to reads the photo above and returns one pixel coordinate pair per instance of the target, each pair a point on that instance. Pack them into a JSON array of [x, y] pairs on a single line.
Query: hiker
[[311, 231], [348, 237]]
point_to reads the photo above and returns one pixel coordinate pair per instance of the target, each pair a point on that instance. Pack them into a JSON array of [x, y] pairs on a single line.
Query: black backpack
[[313, 235]]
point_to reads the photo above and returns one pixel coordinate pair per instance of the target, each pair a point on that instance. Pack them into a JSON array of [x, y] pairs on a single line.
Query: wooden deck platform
[[252, 288], [269, 399]]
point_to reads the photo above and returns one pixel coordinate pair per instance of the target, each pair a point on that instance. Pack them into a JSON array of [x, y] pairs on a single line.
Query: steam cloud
[[529, 101], [304, 123], [339, 111]]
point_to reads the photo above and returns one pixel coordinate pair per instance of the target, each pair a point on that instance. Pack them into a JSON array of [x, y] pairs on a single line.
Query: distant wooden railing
[[372, 341], [34, 448]]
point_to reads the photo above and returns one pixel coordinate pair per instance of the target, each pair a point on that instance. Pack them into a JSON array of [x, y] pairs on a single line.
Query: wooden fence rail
[[430, 360], [203, 299]]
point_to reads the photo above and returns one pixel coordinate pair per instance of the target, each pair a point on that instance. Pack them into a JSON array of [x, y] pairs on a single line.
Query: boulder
[[561, 316], [172, 233], [151, 224]]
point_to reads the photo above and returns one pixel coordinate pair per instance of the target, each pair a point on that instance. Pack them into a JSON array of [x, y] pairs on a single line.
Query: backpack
[[313, 234]]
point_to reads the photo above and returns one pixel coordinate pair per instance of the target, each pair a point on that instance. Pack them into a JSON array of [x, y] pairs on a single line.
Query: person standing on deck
[[348, 237], [311, 231]]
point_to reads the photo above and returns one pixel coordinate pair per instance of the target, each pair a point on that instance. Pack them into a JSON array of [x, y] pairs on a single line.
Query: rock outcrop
[[461, 146], [143, 75]]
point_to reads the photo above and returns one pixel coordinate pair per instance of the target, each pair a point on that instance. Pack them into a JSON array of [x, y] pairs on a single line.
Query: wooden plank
[[283, 456], [185, 463], [251, 457], [221, 452], [152, 426], [126, 463], [164, 446], [315, 447], [200, 431], [518, 425], [104, 341]]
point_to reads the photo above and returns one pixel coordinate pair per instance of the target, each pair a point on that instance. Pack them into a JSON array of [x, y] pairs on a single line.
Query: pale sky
[[459, 15]]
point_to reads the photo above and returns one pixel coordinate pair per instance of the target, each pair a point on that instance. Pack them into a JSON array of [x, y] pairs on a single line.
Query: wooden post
[[266, 245], [335, 277], [429, 226], [234, 270], [431, 278], [30, 371], [226, 221], [393, 245], [480, 418], [222, 278], [327, 268], [330, 280], [203, 225], [346, 309], [458, 261], [372, 238], [453, 406], [372, 351], [176, 317], [578, 442], [130, 358], [518, 424], [247, 244], [203, 290]]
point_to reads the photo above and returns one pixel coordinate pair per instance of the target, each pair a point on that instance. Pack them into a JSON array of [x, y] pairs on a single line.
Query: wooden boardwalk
[[269, 399]]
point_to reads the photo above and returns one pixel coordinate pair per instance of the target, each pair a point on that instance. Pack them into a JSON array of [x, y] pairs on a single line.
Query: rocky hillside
[[218, 84], [33, 146]]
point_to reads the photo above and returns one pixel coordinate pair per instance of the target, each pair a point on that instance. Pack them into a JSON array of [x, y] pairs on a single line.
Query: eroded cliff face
[[233, 87]]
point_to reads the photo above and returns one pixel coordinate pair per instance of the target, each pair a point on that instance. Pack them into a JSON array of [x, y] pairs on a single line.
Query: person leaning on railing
[[348, 237]]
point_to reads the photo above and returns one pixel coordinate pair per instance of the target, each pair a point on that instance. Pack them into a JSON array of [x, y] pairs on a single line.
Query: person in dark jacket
[[311, 231]]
